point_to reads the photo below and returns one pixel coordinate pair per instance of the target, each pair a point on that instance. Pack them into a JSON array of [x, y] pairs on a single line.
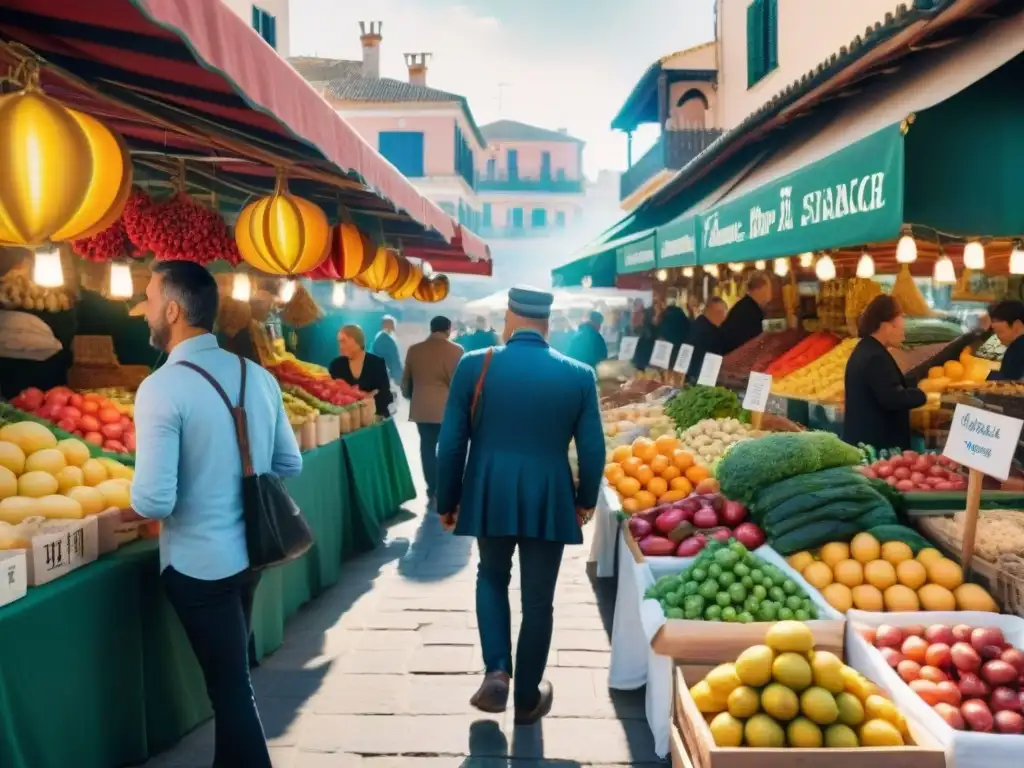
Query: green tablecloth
[[95, 670]]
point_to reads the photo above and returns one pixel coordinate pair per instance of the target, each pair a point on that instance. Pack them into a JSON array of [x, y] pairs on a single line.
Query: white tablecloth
[[606, 528]]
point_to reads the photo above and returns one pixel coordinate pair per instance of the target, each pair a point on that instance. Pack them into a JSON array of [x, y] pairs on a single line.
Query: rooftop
[[511, 130]]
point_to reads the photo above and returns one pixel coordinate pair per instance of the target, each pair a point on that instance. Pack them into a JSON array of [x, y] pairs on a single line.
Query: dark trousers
[[216, 617], [428, 454], [539, 562]]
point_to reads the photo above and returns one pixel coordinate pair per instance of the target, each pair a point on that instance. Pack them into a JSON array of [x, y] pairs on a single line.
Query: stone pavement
[[377, 672]]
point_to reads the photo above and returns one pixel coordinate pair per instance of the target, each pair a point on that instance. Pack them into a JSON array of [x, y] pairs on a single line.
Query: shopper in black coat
[[878, 400], [746, 318], [1007, 321], [706, 335]]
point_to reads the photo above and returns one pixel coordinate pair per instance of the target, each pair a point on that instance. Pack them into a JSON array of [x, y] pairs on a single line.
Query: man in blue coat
[[516, 490], [588, 345]]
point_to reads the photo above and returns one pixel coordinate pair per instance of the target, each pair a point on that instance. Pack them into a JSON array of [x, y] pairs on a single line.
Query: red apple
[[939, 633], [1004, 698], [951, 715], [887, 636], [962, 633], [949, 692], [938, 655], [977, 715], [908, 670], [986, 636], [927, 690], [973, 687], [914, 648], [1015, 657], [965, 658], [934, 674], [892, 656]]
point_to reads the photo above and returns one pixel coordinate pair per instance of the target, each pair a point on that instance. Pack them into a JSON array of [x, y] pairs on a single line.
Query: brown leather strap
[[480, 385], [238, 415]]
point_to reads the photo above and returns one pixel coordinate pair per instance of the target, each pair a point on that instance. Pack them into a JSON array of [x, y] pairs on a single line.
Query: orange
[[631, 465], [671, 473], [613, 473], [696, 473], [682, 460], [666, 444], [645, 499], [629, 506], [621, 453], [644, 474], [659, 464], [628, 486], [672, 496], [880, 574], [658, 486], [644, 449], [681, 484]]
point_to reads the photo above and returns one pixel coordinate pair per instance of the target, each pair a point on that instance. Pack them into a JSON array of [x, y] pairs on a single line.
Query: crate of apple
[[912, 471], [89, 416], [971, 676]]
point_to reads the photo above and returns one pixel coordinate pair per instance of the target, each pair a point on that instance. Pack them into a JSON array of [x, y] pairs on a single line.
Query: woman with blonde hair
[[362, 369]]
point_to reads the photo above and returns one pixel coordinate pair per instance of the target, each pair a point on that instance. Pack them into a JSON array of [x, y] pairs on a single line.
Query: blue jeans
[[216, 617], [539, 562], [428, 454]]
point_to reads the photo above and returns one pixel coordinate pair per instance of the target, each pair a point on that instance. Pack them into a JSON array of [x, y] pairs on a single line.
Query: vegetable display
[[804, 353], [727, 582], [874, 575], [913, 471], [709, 439], [999, 532], [90, 416], [822, 379], [695, 404], [971, 676], [760, 352], [685, 527], [332, 391]]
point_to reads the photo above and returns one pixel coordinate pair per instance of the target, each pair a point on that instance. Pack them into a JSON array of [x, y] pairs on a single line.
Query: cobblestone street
[[378, 671]]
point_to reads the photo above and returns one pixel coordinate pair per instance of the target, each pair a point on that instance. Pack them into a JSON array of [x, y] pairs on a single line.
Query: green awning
[[598, 260], [677, 242], [635, 253]]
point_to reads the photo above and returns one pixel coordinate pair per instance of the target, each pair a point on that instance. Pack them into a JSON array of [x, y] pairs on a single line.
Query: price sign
[[627, 347], [982, 440], [662, 354], [759, 387], [683, 359], [709, 370]]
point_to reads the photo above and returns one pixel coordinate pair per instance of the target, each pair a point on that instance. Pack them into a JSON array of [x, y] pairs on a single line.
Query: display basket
[[103, 377], [952, 548], [1009, 583], [94, 351]]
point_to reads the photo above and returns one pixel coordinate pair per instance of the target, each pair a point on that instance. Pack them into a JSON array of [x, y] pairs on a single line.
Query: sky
[[552, 63]]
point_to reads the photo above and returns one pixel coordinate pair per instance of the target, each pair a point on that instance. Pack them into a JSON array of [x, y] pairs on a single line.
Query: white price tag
[[759, 387], [982, 440], [683, 359], [627, 347], [662, 354], [709, 370]]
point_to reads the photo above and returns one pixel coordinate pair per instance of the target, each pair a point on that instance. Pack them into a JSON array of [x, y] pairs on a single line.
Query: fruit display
[[802, 354], [913, 471], [831, 305], [821, 380], [41, 476], [709, 439], [874, 576], [96, 419], [965, 373], [624, 424], [651, 472], [909, 296], [306, 377], [693, 405], [784, 693], [758, 353], [860, 292], [727, 582], [298, 411], [970, 676], [999, 532], [684, 528], [18, 291]]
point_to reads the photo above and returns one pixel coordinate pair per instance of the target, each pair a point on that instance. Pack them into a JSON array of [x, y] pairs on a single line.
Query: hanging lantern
[[47, 271], [974, 255], [906, 250], [121, 284], [241, 287], [711, 269], [412, 282], [350, 255], [865, 266], [65, 174], [825, 269], [283, 234], [760, 264], [338, 295], [737, 268], [404, 273], [382, 272], [781, 267], [806, 260], [433, 290], [661, 275], [687, 272], [944, 273], [1017, 259]]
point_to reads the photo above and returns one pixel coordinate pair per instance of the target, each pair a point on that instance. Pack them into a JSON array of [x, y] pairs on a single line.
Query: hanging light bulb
[[687, 271], [241, 287], [825, 269], [974, 255], [338, 295], [865, 266], [906, 250], [47, 271], [711, 269], [760, 264], [662, 275], [944, 273], [781, 267], [121, 285], [736, 267], [287, 291], [1017, 259], [428, 269], [806, 260]]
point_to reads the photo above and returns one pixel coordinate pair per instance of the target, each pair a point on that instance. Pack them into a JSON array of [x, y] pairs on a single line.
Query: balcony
[[519, 233], [503, 182], [672, 151]]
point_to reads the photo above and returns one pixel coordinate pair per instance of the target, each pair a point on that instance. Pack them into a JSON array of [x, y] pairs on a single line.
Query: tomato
[[112, 431], [114, 447], [89, 423], [110, 415], [94, 437], [76, 401], [90, 406]]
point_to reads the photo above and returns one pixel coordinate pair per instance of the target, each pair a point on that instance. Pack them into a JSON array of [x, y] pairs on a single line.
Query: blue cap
[[596, 318], [530, 302]]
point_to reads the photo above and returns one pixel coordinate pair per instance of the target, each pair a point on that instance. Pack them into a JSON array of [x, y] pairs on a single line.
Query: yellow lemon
[[880, 574], [726, 730], [723, 679], [761, 732], [895, 552], [839, 736], [865, 548], [851, 711], [912, 573], [794, 636], [827, 671], [803, 734], [754, 665], [880, 733], [743, 702], [792, 671], [799, 561]]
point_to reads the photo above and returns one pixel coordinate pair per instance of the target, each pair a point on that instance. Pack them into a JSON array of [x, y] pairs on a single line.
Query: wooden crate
[[680, 759], [704, 753], [710, 642], [94, 351]]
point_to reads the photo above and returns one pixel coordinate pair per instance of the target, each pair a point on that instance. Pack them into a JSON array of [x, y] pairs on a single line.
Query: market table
[[99, 656], [606, 532]]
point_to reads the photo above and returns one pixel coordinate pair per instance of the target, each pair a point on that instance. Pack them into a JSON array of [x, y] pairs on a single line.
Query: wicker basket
[[94, 351], [1010, 583], [368, 410], [302, 310], [104, 376]]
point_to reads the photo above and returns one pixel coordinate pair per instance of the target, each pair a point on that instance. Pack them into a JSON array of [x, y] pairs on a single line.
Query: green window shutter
[[755, 42], [771, 34]]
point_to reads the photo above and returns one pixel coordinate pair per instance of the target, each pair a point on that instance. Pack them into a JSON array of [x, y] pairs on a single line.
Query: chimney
[[370, 36], [417, 64]]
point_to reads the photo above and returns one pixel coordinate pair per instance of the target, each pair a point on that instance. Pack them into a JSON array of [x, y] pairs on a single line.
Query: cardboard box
[[705, 753], [61, 547], [13, 575]]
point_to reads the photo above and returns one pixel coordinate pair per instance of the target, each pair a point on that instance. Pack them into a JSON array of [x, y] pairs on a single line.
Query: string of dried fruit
[[137, 219], [184, 230], [112, 243]]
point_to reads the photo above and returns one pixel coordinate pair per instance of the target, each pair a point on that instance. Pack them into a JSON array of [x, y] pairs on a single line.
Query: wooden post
[[974, 482], [756, 417]]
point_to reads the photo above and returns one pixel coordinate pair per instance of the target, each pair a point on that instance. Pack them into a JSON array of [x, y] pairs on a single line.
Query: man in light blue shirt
[[188, 475]]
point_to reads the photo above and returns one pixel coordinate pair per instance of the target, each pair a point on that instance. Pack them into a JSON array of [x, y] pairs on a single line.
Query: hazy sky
[[564, 63]]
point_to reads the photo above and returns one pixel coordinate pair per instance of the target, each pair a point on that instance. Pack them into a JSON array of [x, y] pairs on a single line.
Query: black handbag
[[275, 530]]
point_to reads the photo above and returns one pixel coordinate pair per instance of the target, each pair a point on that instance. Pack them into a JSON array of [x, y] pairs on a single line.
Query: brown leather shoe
[[492, 695], [531, 716]]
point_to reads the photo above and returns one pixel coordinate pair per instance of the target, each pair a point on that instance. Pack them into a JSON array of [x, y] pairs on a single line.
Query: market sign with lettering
[[637, 256], [677, 242], [851, 197]]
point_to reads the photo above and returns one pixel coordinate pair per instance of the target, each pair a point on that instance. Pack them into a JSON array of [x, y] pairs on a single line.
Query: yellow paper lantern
[[412, 282], [433, 290], [382, 272], [352, 251], [65, 174], [404, 273], [283, 234]]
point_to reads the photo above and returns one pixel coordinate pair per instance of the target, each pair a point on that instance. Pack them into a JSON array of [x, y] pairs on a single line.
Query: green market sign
[[677, 243], [635, 257], [851, 197]]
